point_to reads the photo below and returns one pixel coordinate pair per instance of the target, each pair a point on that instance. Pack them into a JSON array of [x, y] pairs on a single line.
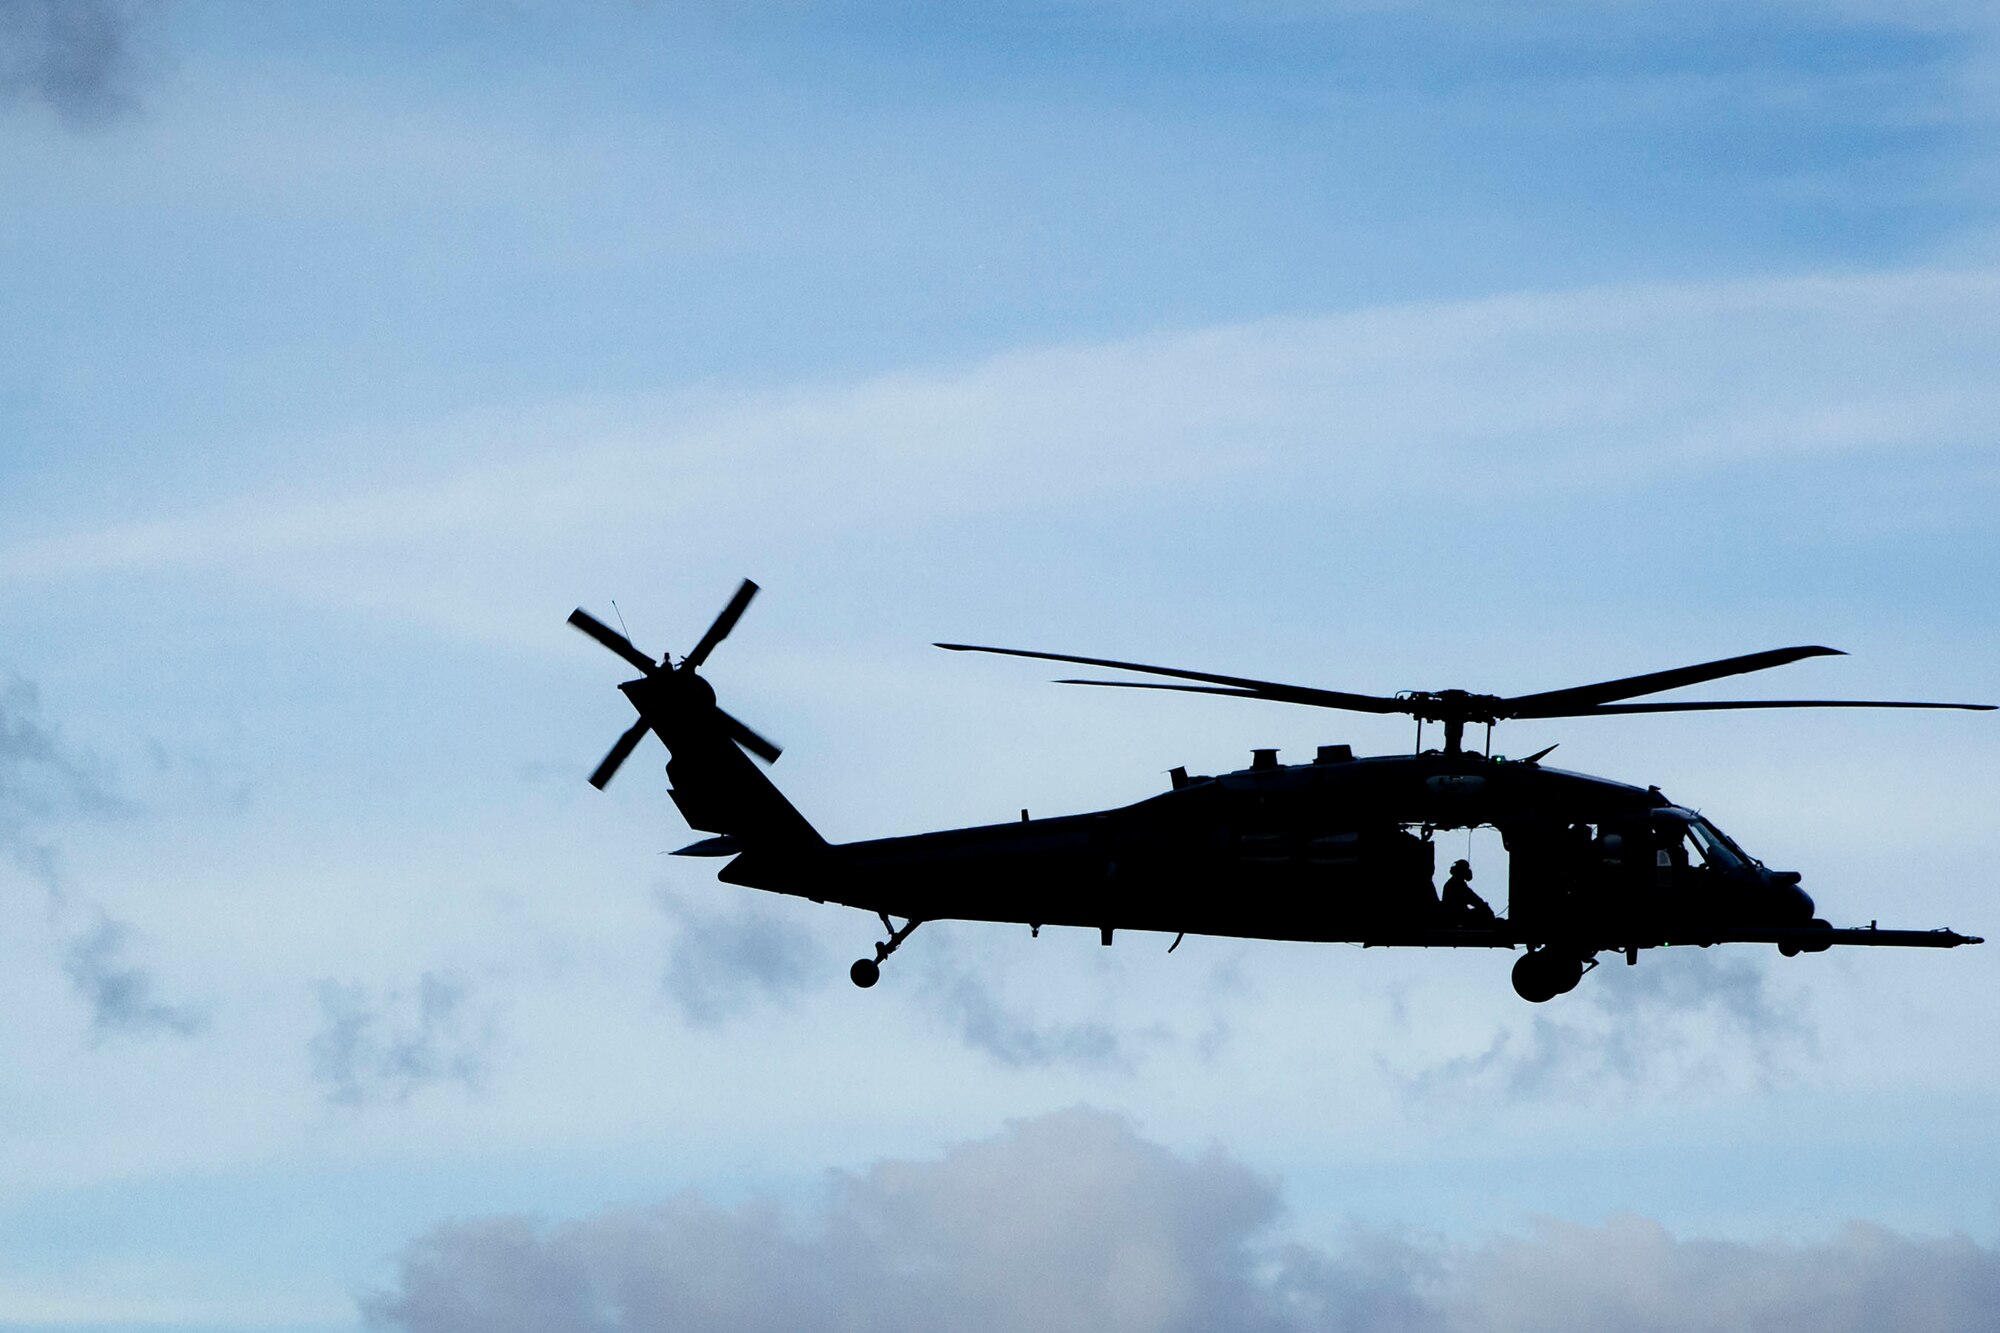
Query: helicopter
[[1340, 849]]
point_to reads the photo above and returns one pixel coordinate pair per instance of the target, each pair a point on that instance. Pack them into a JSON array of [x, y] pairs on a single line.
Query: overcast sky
[[1379, 346]]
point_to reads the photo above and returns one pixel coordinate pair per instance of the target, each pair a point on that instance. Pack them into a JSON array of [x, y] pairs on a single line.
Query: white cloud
[[1074, 1221], [1067, 1222], [1632, 1273]]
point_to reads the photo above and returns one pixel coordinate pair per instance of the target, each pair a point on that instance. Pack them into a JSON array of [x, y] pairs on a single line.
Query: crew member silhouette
[[1463, 907]]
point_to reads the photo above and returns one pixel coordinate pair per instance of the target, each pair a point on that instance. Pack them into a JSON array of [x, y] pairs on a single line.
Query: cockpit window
[[1714, 845]]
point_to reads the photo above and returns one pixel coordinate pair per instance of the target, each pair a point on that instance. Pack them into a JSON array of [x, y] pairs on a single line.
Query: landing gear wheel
[[1531, 979], [867, 971], [1542, 975]]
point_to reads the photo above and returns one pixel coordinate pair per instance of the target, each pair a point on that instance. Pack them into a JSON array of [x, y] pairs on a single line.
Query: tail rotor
[[620, 751], [667, 693], [724, 622]]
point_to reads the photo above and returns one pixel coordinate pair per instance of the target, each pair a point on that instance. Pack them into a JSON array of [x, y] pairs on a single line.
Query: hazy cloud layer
[[387, 1046], [1073, 1221], [76, 57], [1600, 391]]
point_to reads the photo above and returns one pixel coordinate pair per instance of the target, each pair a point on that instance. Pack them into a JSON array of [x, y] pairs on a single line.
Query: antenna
[[621, 618]]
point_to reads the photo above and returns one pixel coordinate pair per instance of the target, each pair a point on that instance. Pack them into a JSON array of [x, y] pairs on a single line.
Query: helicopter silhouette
[[1338, 849]]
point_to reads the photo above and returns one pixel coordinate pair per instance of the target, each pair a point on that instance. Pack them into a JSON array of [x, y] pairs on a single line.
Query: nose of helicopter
[[1790, 902]]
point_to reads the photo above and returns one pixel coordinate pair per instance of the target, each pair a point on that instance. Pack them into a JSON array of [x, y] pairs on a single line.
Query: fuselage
[[1338, 849]]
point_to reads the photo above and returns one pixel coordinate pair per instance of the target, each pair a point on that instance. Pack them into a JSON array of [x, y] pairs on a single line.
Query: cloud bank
[[1073, 1221]]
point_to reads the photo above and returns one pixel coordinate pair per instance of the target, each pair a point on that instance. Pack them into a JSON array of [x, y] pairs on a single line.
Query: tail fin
[[717, 786]]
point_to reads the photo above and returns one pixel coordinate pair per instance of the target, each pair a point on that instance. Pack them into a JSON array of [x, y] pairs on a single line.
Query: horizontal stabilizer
[[724, 845]]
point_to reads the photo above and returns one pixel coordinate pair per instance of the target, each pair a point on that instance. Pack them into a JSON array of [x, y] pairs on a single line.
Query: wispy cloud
[[733, 957], [1675, 1022], [728, 960], [387, 1045], [44, 784], [42, 780], [122, 996], [1015, 1037]]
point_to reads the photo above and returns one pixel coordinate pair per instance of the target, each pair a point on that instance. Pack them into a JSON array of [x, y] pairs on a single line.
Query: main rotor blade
[[1229, 691], [749, 739], [723, 624], [621, 750], [1243, 685], [1581, 698], [612, 639], [1720, 705]]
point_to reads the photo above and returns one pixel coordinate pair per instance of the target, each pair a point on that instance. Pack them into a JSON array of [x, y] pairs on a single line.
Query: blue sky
[[1379, 346]]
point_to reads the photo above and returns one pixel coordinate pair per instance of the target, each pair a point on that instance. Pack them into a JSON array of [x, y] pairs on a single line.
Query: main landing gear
[[1545, 973], [867, 971]]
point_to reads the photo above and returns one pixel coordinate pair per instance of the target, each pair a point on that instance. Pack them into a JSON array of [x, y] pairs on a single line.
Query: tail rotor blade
[[749, 739], [723, 624], [612, 639], [620, 751]]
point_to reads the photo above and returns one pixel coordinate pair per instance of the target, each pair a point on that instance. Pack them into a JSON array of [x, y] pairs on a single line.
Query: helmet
[[1461, 865]]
